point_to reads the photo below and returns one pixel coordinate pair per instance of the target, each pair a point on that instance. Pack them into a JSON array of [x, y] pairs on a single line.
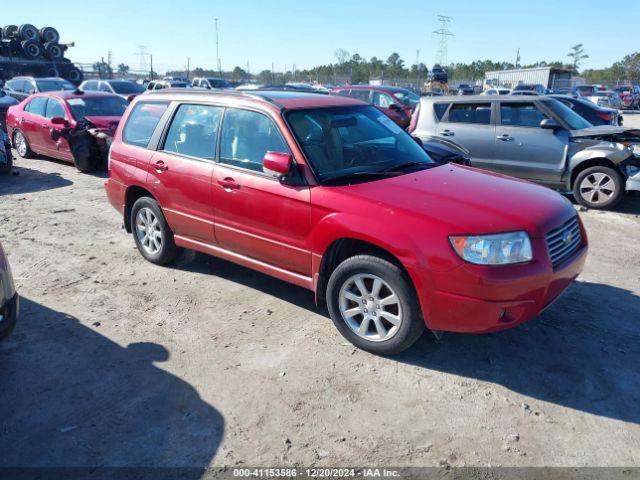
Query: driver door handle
[[505, 138], [160, 166], [447, 133], [228, 183]]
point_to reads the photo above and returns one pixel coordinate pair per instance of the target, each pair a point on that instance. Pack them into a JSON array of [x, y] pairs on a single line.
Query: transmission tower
[[143, 54], [444, 33]]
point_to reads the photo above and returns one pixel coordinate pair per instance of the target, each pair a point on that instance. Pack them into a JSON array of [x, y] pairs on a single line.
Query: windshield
[[571, 118], [355, 142], [408, 98], [54, 85], [123, 87], [97, 107]]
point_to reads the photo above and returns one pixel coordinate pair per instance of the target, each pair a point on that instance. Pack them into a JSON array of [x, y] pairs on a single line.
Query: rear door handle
[[447, 133], [160, 166], [505, 138], [228, 184]]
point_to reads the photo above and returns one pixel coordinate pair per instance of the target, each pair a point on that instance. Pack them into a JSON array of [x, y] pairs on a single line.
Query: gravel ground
[[117, 362]]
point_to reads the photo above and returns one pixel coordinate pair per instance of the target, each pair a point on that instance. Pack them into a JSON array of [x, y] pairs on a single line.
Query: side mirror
[[394, 106], [59, 121], [550, 124], [278, 164], [31, 91]]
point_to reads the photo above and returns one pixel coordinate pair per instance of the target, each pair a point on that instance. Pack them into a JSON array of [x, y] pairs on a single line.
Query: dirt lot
[[116, 362]]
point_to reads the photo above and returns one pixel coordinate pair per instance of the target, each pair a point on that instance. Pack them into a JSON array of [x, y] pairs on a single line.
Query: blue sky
[[307, 33]]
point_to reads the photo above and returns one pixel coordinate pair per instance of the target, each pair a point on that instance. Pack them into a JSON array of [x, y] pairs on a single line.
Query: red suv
[[397, 103], [328, 193], [42, 123]]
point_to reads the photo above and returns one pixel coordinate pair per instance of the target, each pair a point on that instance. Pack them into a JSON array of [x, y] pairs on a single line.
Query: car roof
[[67, 94], [485, 98], [287, 100], [387, 88]]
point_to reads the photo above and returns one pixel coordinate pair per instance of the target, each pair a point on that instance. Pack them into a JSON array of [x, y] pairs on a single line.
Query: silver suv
[[537, 139]]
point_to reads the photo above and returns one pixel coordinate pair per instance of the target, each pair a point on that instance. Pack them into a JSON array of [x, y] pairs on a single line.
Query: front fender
[[616, 153]]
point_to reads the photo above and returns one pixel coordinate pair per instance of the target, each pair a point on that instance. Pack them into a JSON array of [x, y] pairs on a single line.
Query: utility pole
[[151, 57], [517, 64], [218, 50], [188, 68], [444, 33], [418, 68]]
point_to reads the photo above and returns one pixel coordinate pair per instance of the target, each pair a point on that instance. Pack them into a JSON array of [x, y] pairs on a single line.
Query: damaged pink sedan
[[73, 126]]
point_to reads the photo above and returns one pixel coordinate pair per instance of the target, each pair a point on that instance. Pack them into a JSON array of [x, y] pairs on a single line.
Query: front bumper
[[9, 316], [489, 299]]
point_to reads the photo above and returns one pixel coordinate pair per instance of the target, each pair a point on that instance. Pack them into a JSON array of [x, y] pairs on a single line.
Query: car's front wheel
[[151, 232], [598, 187], [21, 145], [373, 305]]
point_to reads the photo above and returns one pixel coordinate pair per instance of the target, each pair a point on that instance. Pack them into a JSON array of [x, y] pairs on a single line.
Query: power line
[[444, 33]]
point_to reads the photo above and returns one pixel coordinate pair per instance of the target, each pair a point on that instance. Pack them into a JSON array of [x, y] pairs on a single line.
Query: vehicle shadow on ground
[[70, 397], [583, 353], [28, 180], [196, 262]]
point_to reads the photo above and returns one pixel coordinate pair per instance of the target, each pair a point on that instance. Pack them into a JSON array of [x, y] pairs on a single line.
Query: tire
[[163, 250], [10, 31], [28, 32], [49, 35], [23, 149], [74, 75], [31, 49], [344, 295], [598, 187], [53, 51]]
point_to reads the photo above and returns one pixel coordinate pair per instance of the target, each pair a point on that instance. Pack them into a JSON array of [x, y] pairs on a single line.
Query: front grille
[[563, 241]]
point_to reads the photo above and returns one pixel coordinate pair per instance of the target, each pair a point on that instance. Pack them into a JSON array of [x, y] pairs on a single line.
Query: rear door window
[[521, 115], [440, 109], [382, 100], [477, 113], [360, 95], [194, 131], [142, 122], [37, 106]]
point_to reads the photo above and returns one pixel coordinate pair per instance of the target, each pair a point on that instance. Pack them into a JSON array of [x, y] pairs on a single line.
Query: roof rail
[[222, 93]]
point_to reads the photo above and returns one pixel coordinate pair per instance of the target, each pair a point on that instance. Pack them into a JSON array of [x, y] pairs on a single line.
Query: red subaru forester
[[328, 193]]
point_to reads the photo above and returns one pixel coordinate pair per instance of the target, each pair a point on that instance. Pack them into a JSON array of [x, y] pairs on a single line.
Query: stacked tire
[[28, 42]]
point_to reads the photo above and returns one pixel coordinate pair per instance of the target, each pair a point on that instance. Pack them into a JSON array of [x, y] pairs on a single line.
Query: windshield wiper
[[401, 166], [364, 174]]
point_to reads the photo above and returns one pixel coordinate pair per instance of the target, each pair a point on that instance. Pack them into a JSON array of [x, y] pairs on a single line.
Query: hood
[[468, 201], [603, 130], [107, 123]]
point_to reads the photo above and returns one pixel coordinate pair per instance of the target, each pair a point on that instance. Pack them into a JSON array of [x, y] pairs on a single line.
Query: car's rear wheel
[[21, 144], [598, 187], [151, 232], [373, 305]]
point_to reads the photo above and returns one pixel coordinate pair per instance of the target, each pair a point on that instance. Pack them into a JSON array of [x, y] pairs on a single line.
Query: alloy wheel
[[597, 188], [148, 231], [370, 307], [21, 144]]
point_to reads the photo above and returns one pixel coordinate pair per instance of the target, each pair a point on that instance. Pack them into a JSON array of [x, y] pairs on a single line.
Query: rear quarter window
[[477, 113], [142, 122]]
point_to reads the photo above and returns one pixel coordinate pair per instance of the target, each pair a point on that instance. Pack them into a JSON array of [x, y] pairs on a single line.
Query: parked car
[[538, 139], [397, 103], [72, 126], [6, 158], [211, 82], [21, 87], [9, 300], [525, 93], [629, 96], [529, 87], [496, 91], [162, 84], [591, 112], [127, 89], [6, 101], [587, 90], [465, 89], [606, 98], [325, 192]]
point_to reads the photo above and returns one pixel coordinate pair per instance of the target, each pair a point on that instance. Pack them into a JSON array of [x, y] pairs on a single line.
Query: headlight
[[498, 249]]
